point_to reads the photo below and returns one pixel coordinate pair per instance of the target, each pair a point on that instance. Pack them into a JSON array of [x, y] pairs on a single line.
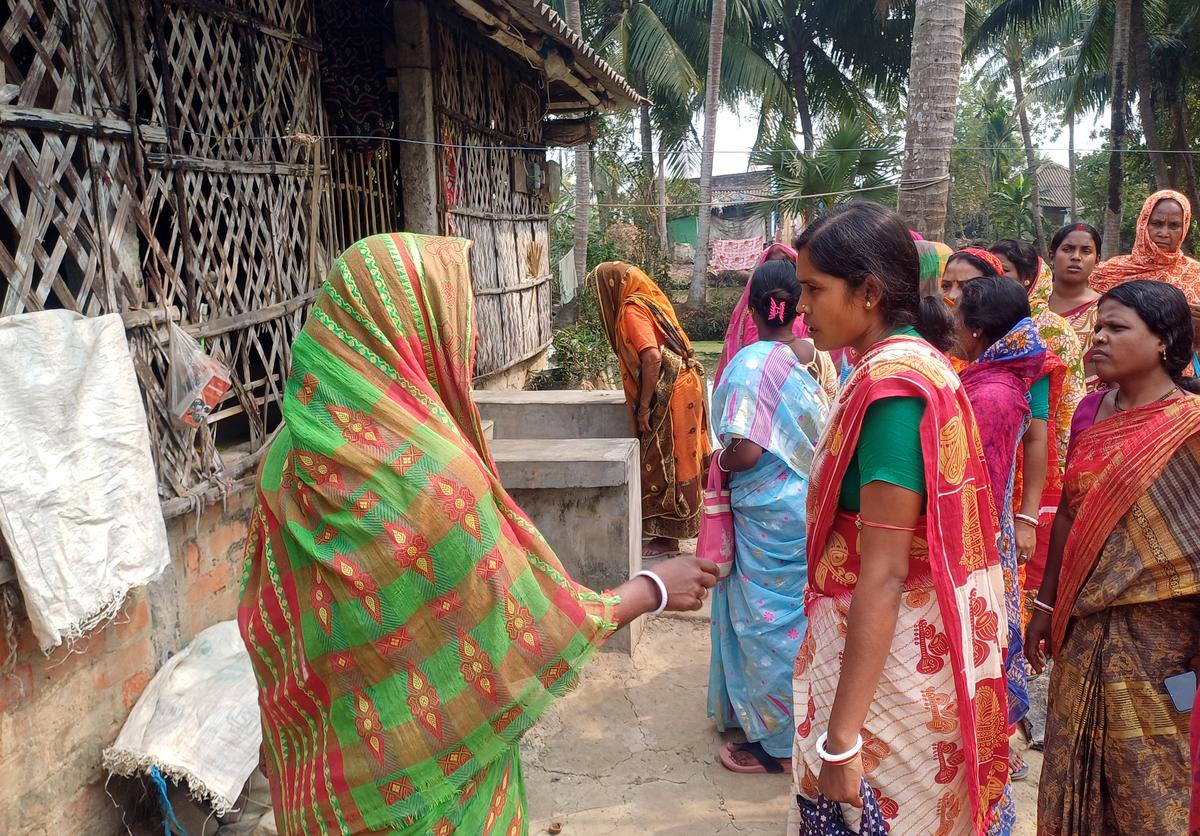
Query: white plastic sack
[[79, 503], [197, 720]]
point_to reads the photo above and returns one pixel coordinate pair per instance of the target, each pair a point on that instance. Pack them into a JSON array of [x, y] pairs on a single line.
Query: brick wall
[[59, 712]]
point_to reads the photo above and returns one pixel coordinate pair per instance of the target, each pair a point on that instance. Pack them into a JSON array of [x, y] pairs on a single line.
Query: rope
[[303, 138], [169, 819]]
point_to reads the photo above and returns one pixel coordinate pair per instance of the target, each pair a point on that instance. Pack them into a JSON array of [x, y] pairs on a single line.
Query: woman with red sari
[[899, 684], [1119, 608]]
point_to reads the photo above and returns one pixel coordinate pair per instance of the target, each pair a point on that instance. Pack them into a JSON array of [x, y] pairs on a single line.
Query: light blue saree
[[766, 396]]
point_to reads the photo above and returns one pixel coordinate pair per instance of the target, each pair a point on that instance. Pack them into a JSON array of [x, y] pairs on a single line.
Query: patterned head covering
[[406, 621], [1147, 261], [933, 256], [988, 258]]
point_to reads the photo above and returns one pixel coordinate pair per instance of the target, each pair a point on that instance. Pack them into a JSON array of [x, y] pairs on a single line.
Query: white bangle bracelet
[[839, 758], [1027, 519], [662, 589]]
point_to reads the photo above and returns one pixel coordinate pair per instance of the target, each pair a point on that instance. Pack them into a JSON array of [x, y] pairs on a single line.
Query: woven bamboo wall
[[222, 209], [483, 192]]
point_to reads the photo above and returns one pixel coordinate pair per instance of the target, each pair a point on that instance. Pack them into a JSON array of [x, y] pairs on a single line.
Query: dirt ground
[[631, 750]]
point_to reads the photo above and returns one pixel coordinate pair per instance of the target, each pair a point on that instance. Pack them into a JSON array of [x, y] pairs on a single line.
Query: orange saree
[[636, 315]]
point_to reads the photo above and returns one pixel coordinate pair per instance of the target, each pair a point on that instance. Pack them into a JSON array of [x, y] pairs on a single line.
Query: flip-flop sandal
[[1017, 773], [657, 555], [765, 763]]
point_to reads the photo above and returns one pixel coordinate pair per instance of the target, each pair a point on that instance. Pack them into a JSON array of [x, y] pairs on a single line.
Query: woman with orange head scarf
[[664, 388], [1163, 224]]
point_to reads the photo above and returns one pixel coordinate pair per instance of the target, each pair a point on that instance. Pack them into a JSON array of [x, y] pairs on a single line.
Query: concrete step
[[489, 429], [584, 494], [555, 414]]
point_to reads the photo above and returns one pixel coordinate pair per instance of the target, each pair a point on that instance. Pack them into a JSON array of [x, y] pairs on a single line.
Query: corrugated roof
[[588, 69], [740, 187], [1054, 186]]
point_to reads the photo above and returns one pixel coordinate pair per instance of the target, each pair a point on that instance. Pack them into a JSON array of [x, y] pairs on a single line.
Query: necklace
[[1117, 398]]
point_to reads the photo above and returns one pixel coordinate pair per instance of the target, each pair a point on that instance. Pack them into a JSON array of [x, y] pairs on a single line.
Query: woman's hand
[[1037, 634], [643, 422], [842, 783], [1026, 537], [688, 580]]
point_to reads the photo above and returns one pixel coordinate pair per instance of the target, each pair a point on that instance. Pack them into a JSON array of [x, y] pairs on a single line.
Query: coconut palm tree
[[842, 57], [933, 78], [1122, 18], [716, 41], [853, 161]]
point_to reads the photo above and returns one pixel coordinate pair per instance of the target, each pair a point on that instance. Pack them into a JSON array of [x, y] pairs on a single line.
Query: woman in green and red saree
[[405, 620], [900, 678], [1120, 604]]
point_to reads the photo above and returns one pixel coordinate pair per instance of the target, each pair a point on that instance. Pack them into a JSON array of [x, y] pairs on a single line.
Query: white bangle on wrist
[[840, 758], [662, 589]]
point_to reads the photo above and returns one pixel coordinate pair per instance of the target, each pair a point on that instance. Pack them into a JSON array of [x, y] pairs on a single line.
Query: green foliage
[[682, 197], [581, 350], [1136, 185], [988, 155], [710, 321], [1011, 203], [851, 157]]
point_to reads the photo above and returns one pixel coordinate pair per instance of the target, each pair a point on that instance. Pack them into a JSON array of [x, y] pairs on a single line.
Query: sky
[[736, 133]]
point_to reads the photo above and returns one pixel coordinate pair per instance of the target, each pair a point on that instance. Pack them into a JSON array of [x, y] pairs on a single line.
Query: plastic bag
[[195, 382], [716, 541]]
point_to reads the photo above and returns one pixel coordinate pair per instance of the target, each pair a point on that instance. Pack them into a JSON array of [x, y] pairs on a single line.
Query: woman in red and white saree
[[905, 644]]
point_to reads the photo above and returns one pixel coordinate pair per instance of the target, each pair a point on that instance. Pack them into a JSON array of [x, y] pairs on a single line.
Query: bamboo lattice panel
[[482, 159], [213, 209]]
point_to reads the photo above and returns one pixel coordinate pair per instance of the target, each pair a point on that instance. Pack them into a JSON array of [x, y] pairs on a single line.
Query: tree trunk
[[1071, 165], [933, 75], [799, 73], [664, 245], [1183, 143], [583, 176], [712, 89], [1013, 55], [1119, 104], [1143, 74], [648, 177]]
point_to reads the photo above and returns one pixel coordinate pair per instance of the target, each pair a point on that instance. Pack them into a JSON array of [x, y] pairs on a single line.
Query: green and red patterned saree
[[406, 621]]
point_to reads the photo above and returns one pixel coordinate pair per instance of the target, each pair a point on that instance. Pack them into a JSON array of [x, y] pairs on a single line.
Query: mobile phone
[[1182, 688]]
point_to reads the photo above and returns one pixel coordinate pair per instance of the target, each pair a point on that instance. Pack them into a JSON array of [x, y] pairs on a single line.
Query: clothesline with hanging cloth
[[79, 505], [741, 254]]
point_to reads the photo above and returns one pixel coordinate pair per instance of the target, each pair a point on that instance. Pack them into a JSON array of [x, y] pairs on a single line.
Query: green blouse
[[1039, 398], [889, 447]]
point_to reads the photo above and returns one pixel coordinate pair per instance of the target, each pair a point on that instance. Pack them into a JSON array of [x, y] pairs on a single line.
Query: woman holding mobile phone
[[1119, 608]]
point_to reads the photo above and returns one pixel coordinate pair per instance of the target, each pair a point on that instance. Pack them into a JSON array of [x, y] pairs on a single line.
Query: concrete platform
[[585, 497], [555, 414]]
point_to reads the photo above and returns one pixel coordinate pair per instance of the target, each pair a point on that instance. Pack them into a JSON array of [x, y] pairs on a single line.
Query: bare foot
[[660, 547]]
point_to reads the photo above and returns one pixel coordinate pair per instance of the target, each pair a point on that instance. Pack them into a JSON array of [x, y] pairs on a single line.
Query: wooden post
[[417, 164]]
